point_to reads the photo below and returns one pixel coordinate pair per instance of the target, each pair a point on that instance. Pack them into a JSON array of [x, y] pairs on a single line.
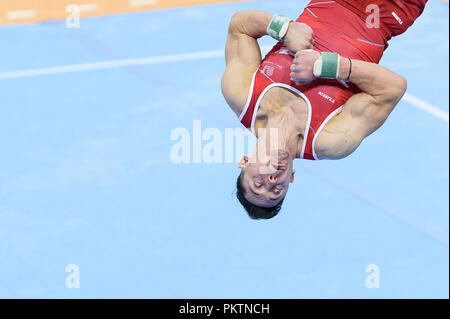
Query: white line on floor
[[435, 231], [23, 14], [110, 64], [425, 106]]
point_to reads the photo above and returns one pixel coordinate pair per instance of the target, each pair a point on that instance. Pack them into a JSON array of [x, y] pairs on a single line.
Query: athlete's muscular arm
[[382, 90], [243, 54], [363, 113]]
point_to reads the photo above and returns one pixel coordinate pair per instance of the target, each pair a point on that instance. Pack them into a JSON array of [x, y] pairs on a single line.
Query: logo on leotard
[[397, 17], [283, 51], [268, 70], [325, 96]]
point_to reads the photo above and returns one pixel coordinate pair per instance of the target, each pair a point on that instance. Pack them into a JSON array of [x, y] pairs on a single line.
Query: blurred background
[[90, 93]]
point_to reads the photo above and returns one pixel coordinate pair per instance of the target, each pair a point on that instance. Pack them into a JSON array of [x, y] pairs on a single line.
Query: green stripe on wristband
[[278, 27], [330, 65]]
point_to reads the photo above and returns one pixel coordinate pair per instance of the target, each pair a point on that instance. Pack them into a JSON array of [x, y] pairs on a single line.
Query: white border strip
[[23, 14], [329, 117], [142, 3], [249, 97], [294, 90], [427, 107], [88, 7], [175, 58]]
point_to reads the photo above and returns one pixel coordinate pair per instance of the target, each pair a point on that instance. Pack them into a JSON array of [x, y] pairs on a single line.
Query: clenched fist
[[299, 36], [303, 65]]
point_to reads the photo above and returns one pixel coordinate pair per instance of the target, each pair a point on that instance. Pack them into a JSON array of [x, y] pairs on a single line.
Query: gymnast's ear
[[243, 161], [292, 176]]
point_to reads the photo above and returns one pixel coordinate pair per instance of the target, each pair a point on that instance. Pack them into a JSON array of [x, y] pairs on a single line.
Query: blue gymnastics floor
[[86, 176]]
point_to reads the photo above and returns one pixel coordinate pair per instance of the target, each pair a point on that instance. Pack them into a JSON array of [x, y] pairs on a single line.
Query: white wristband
[[317, 71], [278, 27], [327, 66], [284, 29]]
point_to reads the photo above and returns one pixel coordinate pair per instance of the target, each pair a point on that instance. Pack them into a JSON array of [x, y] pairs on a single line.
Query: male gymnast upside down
[[321, 87]]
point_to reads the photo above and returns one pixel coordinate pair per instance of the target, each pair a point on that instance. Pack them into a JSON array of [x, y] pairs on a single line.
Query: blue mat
[[86, 176]]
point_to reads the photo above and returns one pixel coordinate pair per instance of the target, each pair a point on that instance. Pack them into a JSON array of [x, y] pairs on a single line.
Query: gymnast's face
[[266, 184]]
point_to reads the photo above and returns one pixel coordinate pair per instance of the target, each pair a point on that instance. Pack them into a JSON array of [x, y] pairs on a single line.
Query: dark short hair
[[255, 212]]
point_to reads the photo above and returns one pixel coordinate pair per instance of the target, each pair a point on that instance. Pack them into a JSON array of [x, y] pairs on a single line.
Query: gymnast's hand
[[303, 65], [299, 36]]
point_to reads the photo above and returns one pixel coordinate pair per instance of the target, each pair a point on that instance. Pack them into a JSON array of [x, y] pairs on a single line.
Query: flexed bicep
[[359, 117], [243, 55], [245, 28]]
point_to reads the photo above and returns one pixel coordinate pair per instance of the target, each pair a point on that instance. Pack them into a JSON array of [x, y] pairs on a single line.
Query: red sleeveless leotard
[[339, 26]]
